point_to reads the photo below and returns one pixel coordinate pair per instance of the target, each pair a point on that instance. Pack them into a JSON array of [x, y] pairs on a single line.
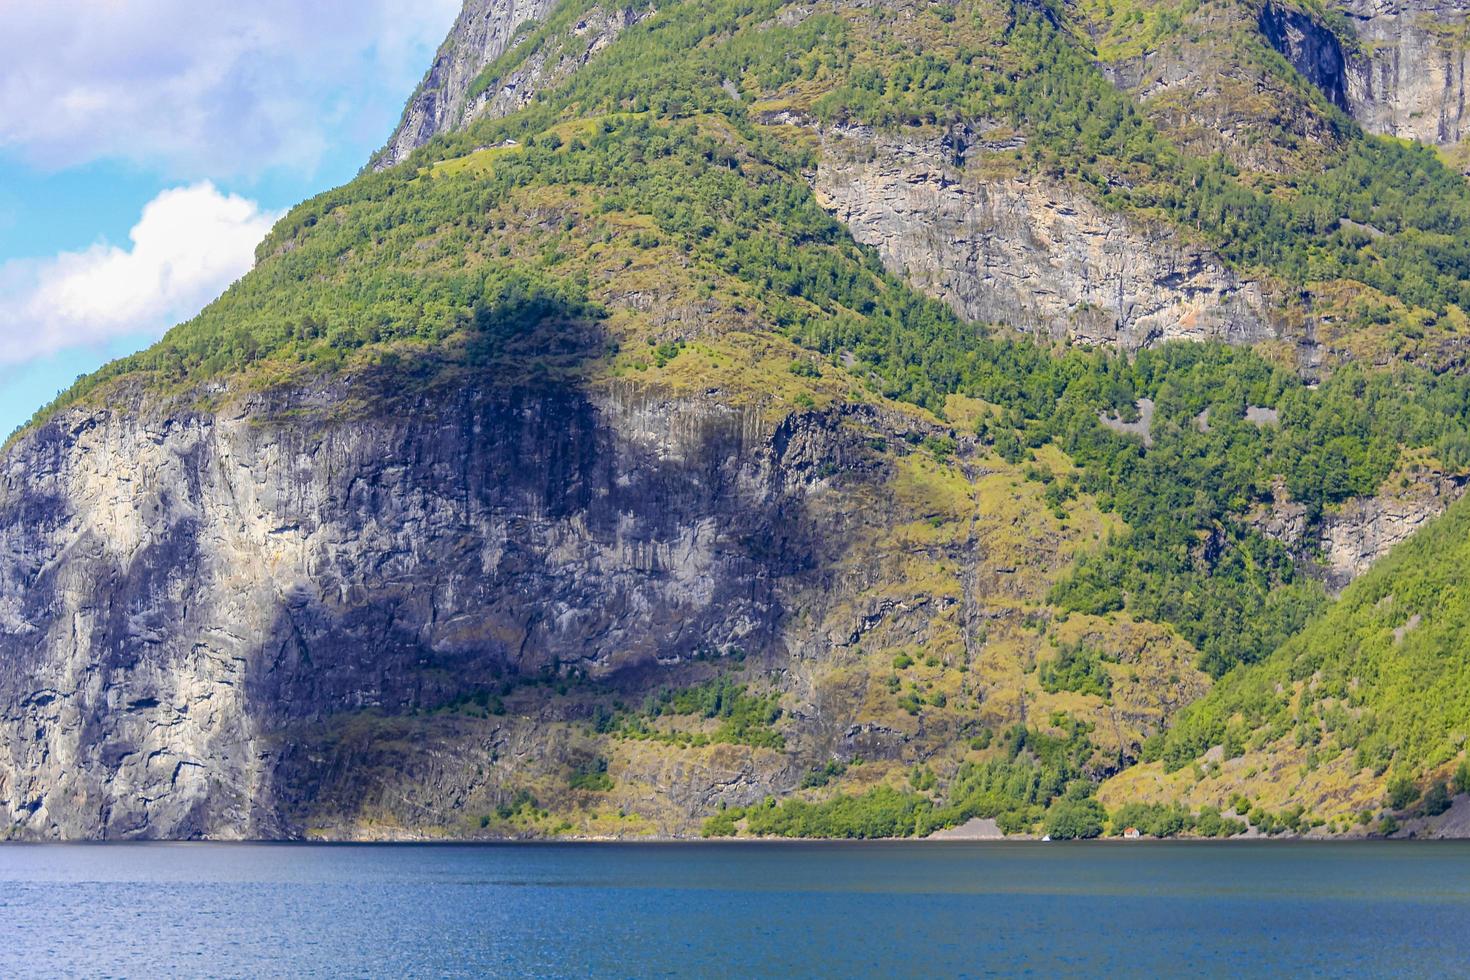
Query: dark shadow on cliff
[[513, 517]]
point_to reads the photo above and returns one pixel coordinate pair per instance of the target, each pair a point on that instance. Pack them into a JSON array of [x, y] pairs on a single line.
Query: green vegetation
[[522, 804], [1079, 668], [438, 254], [592, 776], [744, 718], [1077, 818], [1402, 793], [1031, 771], [822, 775], [881, 812], [1382, 675], [507, 252], [1382, 212], [1032, 785], [1293, 820], [1436, 799], [481, 704], [1172, 820]]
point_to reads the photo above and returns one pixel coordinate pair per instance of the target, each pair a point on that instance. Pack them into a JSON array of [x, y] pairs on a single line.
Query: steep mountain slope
[[1398, 67], [484, 30], [1379, 685], [582, 473], [1035, 252], [340, 589]]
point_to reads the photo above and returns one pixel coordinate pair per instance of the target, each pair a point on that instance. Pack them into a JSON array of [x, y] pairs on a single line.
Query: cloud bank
[[189, 244], [216, 87]]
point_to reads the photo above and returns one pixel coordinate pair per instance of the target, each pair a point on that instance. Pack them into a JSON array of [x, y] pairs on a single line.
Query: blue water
[[881, 909]]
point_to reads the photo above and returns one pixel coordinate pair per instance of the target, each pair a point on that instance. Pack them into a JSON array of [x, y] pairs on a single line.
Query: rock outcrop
[[1348, 539], [454, 94], [1311, 48], [1032, 253], [1401, 73], [1360, 532], [364, 608], [484, 31], [551, 63], [1408, 78]]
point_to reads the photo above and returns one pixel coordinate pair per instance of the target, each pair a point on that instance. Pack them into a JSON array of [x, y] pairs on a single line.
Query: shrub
[[1402, 793], [1153, 819], [592, 776], [922, 778], [1077, 668], [745, 718], [805, 369], [1210, 823], [822, 775], [1461, 781], [881, 812], [1437, 799]]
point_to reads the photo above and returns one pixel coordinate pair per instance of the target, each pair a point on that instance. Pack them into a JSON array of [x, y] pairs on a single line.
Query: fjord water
[[922, 908]]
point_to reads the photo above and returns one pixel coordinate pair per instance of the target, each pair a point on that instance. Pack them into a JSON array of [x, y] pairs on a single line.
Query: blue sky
[[146, 145]]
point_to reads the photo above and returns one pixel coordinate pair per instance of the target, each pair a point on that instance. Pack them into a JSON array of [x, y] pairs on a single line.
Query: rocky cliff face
[[1363, 531], [453, 95], [1029, 252], [1349, 539], [1311, 48], [1402, 72], [1409, 78], [483, 32], [181, 588], [552, 62], [343, 610]]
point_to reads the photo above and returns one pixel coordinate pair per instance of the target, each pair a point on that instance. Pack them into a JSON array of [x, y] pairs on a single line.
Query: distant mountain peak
[[484, 30]]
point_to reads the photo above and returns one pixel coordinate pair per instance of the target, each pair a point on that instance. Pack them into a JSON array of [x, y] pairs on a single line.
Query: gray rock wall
[[483, 32], [1405, 74], [1349, 538], [1032, 253], [1409, 77], [181, 587]]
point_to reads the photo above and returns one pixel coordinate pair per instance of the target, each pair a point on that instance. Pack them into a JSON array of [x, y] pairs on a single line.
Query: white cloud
[[189, 244], [217, 87]]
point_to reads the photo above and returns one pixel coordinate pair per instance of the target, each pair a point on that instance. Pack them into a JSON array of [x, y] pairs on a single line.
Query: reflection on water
[[736, 908]]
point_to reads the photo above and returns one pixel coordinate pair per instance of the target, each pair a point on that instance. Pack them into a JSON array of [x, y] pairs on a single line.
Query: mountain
[[443, 102], [819, 419], [1380, 678]]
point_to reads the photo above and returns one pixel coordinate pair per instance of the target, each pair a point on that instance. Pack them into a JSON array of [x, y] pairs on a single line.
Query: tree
[[1462, 777], [1075, 819], [1437, 800], [1402, 793]]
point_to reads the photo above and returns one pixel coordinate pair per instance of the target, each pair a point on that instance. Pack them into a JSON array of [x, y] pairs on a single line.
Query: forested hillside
[[1011, 560]]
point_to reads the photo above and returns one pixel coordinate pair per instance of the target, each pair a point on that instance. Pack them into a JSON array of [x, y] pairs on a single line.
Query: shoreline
[[1452, 825], [720, 841]]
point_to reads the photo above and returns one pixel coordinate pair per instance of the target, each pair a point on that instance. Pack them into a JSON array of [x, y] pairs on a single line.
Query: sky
[[146, 146]]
